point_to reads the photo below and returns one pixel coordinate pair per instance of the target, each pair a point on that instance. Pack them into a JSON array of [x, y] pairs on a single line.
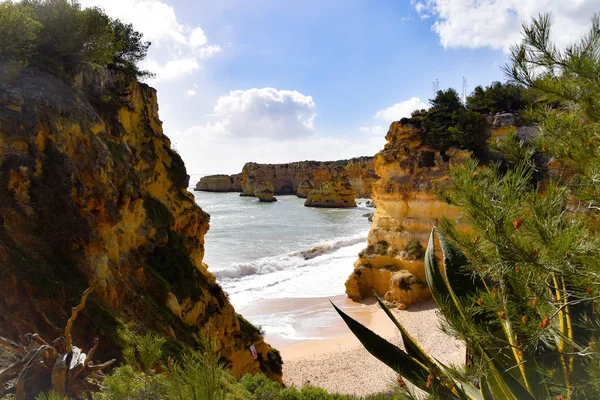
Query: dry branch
[[74, 312], [60, 367]]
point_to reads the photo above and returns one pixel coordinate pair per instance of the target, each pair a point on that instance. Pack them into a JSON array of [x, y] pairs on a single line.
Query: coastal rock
[[92, 193], [504, 119], [264, 192], [406, 210], [300, 178], [304, 189], [220, 183], [336, 194]]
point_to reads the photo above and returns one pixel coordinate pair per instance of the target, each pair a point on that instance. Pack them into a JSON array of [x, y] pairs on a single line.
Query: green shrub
[[520, 288], [58, 35], [18, 31], [500, 97]]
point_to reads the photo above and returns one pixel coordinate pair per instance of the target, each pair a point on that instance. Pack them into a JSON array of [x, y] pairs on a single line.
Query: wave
[[296, 259]]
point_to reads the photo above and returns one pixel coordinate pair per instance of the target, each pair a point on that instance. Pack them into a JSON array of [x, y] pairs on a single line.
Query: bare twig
[[74, 312]]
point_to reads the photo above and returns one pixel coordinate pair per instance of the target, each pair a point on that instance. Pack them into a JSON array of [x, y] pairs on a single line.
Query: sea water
[[280, 251]]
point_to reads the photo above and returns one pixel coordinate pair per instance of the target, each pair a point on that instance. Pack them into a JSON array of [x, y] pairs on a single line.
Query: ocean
[[280, 262]]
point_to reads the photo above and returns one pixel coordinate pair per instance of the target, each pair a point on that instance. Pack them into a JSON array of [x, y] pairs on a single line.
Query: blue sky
[[282, 80]]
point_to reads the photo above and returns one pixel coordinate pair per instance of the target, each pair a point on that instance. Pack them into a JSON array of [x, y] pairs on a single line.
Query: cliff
[[300, 178], [91, 191], [337, 194], [406, 210], [220, 183]]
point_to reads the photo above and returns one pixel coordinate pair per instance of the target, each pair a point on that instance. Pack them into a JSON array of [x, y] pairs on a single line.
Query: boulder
[[504, 119], [264, 191]]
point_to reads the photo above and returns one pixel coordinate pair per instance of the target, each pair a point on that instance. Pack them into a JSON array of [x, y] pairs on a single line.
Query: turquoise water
[[281, 250]]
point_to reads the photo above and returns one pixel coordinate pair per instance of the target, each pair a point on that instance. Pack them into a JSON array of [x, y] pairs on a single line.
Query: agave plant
[[504, 368]]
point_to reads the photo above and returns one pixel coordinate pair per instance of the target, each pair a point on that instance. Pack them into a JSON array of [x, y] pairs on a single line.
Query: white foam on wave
[[296, 259]]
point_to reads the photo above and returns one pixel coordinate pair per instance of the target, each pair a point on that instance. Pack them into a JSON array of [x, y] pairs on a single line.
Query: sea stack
[[264, 191]]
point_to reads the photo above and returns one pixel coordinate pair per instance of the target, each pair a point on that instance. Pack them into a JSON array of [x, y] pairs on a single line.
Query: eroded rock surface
[[338, 194], [91, 191], [264, 191], [300, 178], [220, 183], [406, 210]]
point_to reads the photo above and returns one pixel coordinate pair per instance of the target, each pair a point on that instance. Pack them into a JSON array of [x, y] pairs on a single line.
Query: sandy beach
[[339, 363]]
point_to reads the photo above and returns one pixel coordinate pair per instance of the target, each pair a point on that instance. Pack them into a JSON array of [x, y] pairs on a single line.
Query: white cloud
[[265, 125], [190, 93], [497, 24], [263, 113], [420, 7], [228, 155], [176, 47], [425, 16], [375, 130], [208, 51], [400, 110], [172, 69]]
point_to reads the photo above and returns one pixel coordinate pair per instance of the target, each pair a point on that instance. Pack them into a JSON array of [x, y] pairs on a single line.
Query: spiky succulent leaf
[[509, 383], [435, 279], [460, 283], [411, 346], [389, 354]]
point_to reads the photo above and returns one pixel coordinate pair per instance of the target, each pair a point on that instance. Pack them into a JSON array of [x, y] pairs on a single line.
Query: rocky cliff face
[[337, 194], [300, 178], [91, 192], [407, 208], [220, 183]]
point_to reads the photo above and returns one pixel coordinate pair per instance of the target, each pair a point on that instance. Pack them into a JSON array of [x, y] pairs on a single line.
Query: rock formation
[[220, 183], [406, 210], [264, 191], [92, 193], [336, 194], [504, 119], [300, 178]]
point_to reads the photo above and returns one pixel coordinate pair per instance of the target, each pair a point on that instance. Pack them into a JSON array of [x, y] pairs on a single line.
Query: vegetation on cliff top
[[58, 35], [521, 288], [450, 123]]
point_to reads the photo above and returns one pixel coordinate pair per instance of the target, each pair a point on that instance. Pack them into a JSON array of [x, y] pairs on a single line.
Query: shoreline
[[340, 364]]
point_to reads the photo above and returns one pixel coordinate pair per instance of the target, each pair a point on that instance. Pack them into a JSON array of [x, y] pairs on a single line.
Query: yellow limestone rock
[[220, 183], [264, 192], [406, 210], [336, 194], [93, 192], [300, 178]]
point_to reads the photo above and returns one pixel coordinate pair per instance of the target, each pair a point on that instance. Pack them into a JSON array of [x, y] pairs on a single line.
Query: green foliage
[[58, 35], [520, 289], [129, 49], [52, 395], [259, 387], [18, 31], [448, 123], [136, 379], [200, 376], [500, 97]]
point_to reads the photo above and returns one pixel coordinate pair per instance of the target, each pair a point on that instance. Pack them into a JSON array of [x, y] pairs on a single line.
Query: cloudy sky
[[280, 81]]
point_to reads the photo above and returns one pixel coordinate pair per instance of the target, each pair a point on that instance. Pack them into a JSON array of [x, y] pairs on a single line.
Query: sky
[[288, 80]]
